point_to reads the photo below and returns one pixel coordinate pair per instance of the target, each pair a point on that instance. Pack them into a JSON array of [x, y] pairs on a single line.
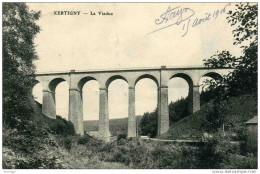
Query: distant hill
[[116, 126]]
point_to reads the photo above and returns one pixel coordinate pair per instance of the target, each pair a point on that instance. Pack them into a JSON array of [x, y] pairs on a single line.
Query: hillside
[[116, 126], [238, 110], [46, 143]]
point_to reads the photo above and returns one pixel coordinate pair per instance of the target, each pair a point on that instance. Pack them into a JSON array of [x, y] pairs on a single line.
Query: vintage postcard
[[130, 86]]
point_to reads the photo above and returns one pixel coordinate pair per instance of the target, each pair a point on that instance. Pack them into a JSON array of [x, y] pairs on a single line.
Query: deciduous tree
[[19, 31]]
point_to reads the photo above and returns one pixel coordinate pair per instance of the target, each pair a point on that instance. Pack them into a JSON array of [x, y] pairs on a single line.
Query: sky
[[136, 35]]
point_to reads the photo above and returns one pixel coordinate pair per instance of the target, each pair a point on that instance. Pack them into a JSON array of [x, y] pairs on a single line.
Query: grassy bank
[[238, 110]]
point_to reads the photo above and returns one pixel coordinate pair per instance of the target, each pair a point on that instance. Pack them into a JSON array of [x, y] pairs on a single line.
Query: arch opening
[[146, 102], [54, 83], [118, 106], [204, 81], [147, 76], [62, 99], [85, 80], [178, 99], [185, 77], [113, 78], [90, 98], [206, 93]]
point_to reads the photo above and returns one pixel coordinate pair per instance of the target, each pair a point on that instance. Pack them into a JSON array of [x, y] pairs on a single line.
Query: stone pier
[[48, 104], [131, 113], [103, 126], [76, 110], [196, 98], [163, 116]]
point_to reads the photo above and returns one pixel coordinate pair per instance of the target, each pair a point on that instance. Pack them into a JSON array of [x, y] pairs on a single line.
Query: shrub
[[180, 157], [237, 161], [121, 136], [66, 142], [61, 126], [84, 139], [121, 157], [121, 141], [27, 138], [208, 155]]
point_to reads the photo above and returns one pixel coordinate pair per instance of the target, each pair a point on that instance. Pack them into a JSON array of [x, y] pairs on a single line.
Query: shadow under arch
[[54, 83], [213, 75], [149, 76], [115, 77], [84, 80]]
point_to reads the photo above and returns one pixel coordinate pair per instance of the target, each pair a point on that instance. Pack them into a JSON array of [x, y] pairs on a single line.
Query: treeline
[[177, 111]]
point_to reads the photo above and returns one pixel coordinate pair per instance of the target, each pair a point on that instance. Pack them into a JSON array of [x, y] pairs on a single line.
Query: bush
[[84, 139], [237, 161], [218, 152], [208, 155], [61, 126], [179, 157], [27, 138], [66, 142], [121, 136]]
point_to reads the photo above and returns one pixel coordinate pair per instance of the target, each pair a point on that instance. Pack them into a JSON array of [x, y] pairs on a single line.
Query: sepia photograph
[[113, 85]]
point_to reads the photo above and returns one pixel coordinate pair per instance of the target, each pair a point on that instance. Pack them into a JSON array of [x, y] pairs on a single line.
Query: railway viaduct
[[161, 76]]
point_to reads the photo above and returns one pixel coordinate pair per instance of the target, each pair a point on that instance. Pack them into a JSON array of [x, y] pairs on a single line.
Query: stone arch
[[149, 76], [185, 77], [84, 80], [115, 77], [54, 83], [213, 75]]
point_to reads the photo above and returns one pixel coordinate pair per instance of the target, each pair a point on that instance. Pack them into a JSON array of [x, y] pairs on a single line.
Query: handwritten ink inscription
[[183, 16]]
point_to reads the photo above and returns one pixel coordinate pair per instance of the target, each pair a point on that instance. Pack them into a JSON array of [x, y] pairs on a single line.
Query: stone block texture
[[48, 104], [76, 110], [131, 113]]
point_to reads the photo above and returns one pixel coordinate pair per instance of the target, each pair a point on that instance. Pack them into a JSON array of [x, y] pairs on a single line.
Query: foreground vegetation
[[233, 114], [48, 143]]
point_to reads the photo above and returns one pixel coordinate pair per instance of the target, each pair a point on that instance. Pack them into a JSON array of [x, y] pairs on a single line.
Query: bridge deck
[[129, 69]]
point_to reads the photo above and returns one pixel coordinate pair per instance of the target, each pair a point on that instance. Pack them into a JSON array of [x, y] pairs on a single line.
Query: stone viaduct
[[161, 76]]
